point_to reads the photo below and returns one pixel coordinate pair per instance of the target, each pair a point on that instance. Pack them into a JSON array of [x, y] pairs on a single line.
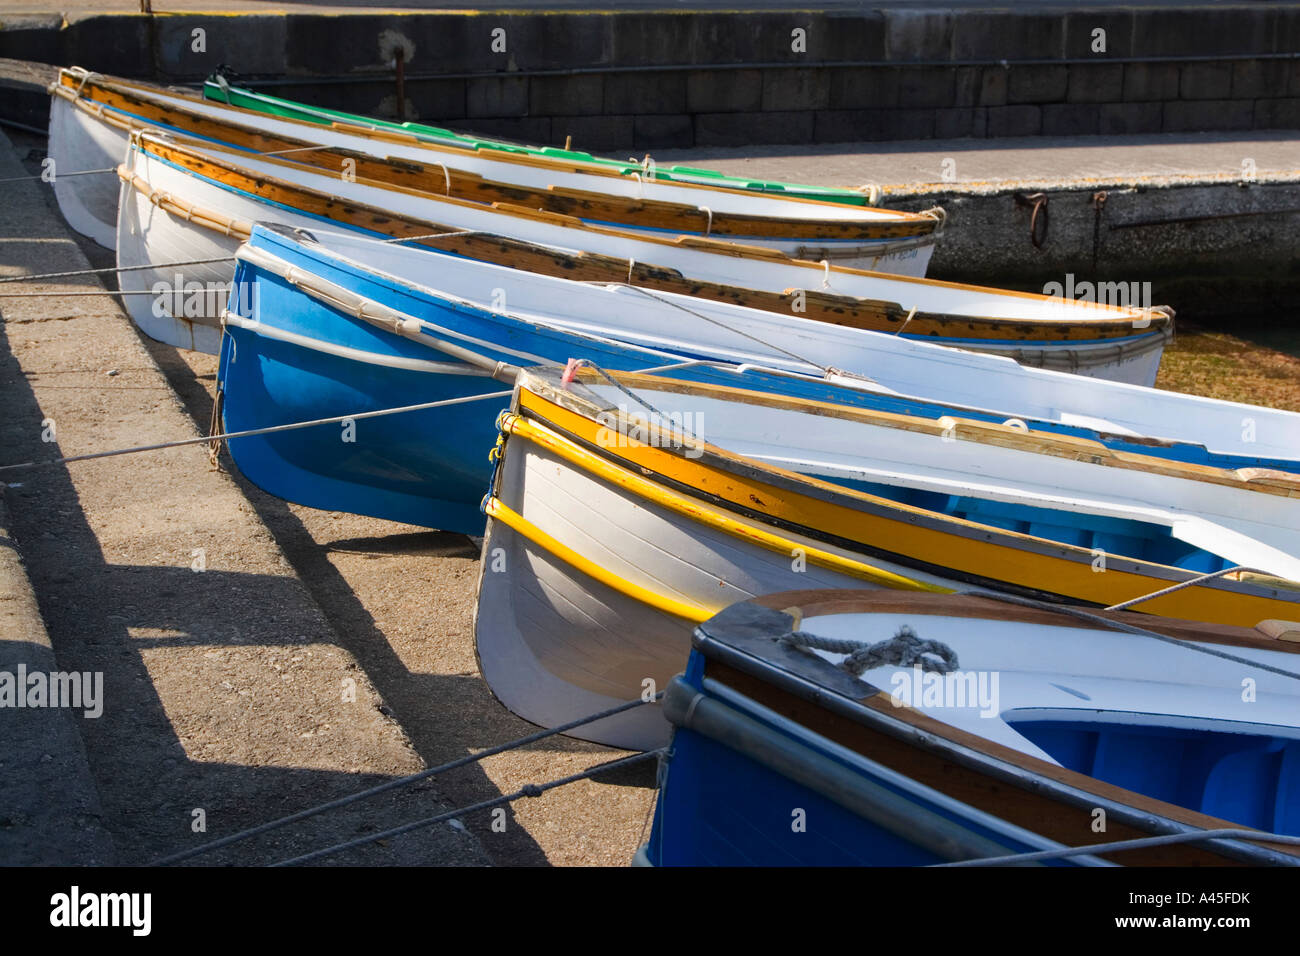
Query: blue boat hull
[[432, 467], [421, 467], [718, 806], [781, 758]]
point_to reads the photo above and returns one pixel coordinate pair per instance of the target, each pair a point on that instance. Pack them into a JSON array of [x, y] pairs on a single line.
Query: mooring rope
[[910, 315], [825, 369], [575, 364], [248, 433], [41, 276], [1184, 584], [904, 649], [661, 777], [296, 149], [400, 782], [528, 790], [80, 172], [444, 235], [355, 416]]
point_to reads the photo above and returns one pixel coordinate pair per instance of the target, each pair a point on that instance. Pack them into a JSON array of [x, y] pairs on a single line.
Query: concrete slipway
[[224, 686]]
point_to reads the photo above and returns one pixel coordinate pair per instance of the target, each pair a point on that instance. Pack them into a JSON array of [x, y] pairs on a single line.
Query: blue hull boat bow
[[1019, 735], [324, 325]]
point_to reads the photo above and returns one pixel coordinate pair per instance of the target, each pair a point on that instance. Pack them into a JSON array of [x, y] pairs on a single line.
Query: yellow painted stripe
[[690, 508], [691, 612], [992, 554]]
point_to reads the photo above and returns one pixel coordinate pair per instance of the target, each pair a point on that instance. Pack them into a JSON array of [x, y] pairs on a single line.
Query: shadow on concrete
[[148, 785], [430, 708], [439, 544]]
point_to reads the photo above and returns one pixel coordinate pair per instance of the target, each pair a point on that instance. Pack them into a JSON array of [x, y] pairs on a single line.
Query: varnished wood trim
[[872, 315], [1052, 444], [442, 179], [1020, 805]]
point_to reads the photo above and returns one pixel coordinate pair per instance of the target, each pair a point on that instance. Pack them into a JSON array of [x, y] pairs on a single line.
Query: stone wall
[[629, 81]]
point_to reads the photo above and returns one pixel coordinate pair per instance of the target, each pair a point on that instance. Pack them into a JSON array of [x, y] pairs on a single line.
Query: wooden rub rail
[[804, 219], [216, 221], [821, 305]]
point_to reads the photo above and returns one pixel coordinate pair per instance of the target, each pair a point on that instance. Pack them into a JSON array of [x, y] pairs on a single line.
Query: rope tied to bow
[[904, 649]]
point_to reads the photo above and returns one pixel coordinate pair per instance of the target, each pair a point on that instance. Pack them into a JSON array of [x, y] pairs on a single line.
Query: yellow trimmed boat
[[625, 509], [87, 107]]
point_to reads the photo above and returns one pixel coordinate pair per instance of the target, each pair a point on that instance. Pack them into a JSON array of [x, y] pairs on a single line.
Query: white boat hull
[[555, 645], [1137, 366], [917, 368], [536, 174], [78, 129], [178, 305], [79, 141]]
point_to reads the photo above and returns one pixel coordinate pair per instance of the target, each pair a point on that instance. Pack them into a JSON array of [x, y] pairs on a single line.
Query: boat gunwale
[[1012, 437], [849, 195], [259, 253], [880, 224], [193, 161], [1248, 588], [877, 710], [192, 158]]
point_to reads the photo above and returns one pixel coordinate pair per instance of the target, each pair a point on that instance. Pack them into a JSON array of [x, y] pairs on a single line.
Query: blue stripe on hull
[[428, 467]]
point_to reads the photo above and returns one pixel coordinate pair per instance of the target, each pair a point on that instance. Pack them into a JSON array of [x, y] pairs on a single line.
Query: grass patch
[[1260, 366]]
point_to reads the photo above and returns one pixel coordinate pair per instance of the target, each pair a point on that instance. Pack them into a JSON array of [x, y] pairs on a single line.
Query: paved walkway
[[978, 164], [223, 691]]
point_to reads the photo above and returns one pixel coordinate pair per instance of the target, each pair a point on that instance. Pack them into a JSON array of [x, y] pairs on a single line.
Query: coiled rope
[[904, 649]]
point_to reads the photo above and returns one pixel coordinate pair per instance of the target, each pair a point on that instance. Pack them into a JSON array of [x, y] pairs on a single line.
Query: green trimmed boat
[[219, 89]]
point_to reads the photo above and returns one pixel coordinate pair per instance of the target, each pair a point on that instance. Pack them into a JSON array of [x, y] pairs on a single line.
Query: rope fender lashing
[[904, 649]]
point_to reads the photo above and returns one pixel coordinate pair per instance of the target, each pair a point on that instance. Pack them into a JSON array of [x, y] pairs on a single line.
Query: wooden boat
[[220, 90], [620, 527], [1051, 734], [201, 199], [340, 323], [885, 240]]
